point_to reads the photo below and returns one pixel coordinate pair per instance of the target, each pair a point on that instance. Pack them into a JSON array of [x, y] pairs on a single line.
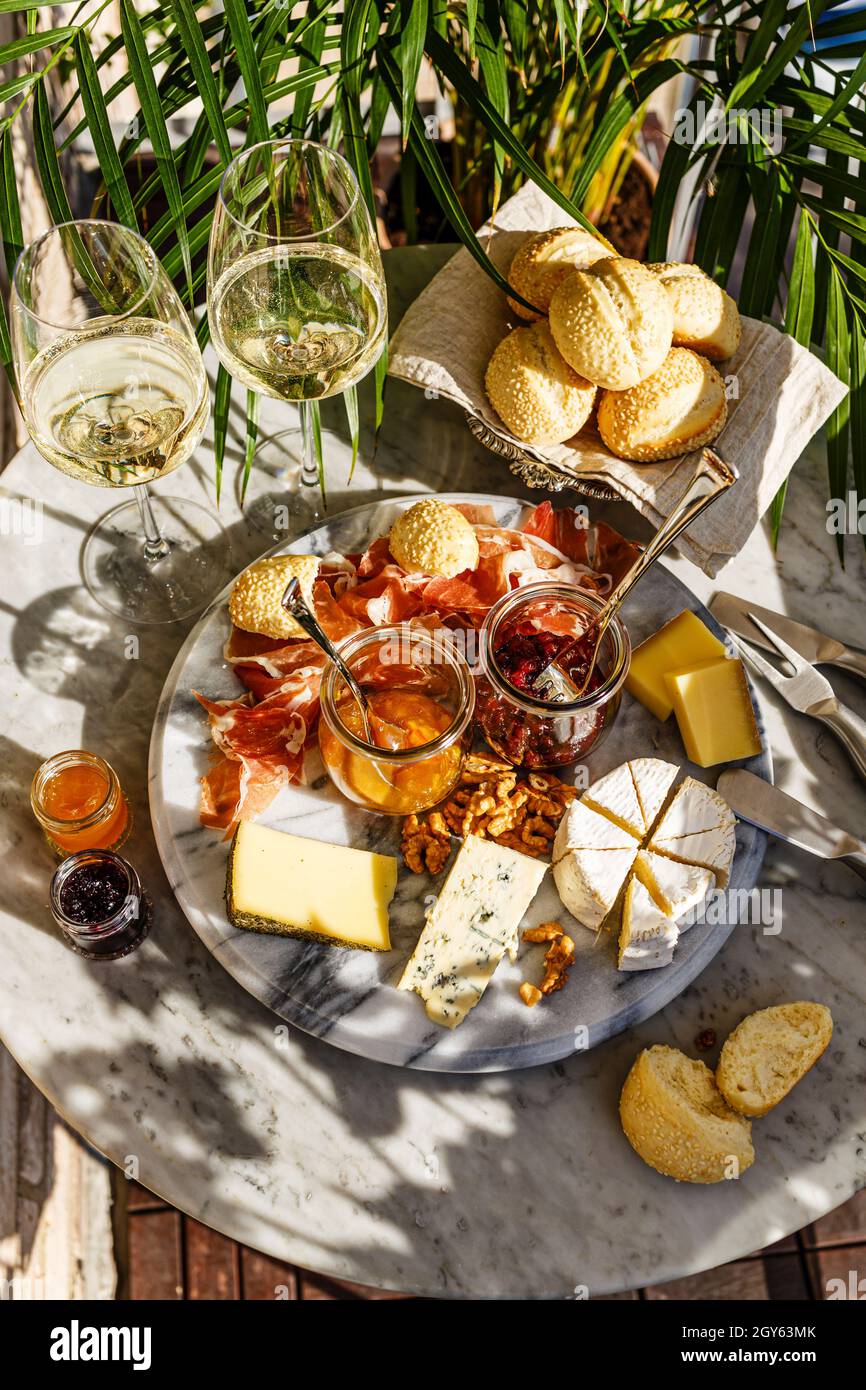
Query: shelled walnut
[[494, 801]]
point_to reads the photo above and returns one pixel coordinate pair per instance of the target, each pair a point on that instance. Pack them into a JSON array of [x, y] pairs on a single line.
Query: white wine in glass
[[114, 393], [296, 291]]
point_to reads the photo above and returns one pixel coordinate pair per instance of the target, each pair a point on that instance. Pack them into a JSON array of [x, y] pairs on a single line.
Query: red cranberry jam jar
[[98, 902], [522, 635]]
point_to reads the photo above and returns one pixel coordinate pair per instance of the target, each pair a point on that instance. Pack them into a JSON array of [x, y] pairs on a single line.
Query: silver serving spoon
[[294, 603], [712, 478]]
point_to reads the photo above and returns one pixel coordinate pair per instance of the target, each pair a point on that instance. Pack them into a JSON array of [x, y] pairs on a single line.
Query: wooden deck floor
[[171, 1256]]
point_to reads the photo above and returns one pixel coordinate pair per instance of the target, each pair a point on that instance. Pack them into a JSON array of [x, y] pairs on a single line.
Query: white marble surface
[[517, 1184]]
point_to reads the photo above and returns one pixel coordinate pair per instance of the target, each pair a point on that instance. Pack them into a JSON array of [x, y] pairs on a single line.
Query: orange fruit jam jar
[[420, 699], [79, 803]]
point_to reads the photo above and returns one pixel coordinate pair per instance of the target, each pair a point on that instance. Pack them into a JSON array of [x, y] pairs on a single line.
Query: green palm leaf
[[193, 42], [100, 129], [154, 119]]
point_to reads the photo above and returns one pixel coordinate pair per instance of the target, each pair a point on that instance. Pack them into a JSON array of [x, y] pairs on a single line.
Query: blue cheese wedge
[[296, 887], [475, 920], [648, 936]]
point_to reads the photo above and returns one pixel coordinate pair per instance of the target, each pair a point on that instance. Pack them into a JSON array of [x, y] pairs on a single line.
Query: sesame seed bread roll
[[543, 262], [678, 1122], [533, 390], [706, 319], [677, 409], [769, 1052], [432, 537], [612, 322], [255, 601]]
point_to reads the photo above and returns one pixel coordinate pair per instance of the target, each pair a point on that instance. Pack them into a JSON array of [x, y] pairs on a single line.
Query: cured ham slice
[[266, 739], [260, 738]]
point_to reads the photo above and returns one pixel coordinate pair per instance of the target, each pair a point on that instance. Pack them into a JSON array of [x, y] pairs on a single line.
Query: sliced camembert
[[698, 828], [615, 796], [583, 828], [676, 888], [475, 920], [653, 779], [296, 887], [648, 936], [591, 859]]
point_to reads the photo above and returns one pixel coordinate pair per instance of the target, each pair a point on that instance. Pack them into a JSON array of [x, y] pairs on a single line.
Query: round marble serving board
[[348, 997]]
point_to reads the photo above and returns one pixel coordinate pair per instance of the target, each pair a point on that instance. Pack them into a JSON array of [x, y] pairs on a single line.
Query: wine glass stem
[[156, 547], [309, 464]]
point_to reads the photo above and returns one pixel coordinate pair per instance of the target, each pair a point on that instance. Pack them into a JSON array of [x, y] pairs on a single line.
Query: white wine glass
[[114, 393], [296, 294]]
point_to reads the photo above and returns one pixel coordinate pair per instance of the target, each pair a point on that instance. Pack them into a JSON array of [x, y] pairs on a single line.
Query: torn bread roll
[[612, 323], [706, 319], [677, 409], [535, 393], [677, 1120], [544, 261], [769, 1052]]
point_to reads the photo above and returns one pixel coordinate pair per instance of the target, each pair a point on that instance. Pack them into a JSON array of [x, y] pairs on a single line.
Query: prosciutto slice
[[260, 737]]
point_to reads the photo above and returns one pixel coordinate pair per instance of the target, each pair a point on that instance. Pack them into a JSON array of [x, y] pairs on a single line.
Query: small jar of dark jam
[[522, 634], [98, 902]]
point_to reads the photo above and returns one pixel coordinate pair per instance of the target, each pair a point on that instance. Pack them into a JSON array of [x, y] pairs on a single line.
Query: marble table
[[515, 1184]]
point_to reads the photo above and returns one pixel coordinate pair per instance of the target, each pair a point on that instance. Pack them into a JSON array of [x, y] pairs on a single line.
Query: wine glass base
[[279, 502], [181, 585]]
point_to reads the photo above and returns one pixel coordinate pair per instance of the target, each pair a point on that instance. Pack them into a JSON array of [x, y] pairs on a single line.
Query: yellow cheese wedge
[[683, 642], [714, 712], [296, 887]]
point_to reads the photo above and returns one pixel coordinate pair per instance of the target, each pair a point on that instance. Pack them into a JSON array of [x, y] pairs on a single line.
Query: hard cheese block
[[296, 887], [714, 712], [475, 920], [683, 642]]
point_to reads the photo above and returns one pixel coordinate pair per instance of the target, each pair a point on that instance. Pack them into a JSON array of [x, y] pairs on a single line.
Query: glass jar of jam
[[98, 903], [79, 803], [421, 698], [522, 634]]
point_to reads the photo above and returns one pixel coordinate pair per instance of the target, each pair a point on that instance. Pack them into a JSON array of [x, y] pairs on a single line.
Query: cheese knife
[[763, 805], [733, 612]]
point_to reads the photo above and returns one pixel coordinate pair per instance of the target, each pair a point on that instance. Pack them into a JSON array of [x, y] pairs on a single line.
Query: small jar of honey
[[79, 803]]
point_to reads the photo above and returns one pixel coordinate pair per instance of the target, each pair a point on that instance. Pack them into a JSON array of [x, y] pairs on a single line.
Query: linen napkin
[[779, 393]]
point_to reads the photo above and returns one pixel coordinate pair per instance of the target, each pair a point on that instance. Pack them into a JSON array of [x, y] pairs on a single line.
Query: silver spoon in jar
[[294, 603], [712, 478]]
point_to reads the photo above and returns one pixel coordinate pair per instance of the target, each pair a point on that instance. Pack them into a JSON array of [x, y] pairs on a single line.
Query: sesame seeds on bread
[[255, 601], [678, 1122], [612, 322], [678, 408], [544, 261], [706, 319], [534, 391], [432, 537], [769, 1052]]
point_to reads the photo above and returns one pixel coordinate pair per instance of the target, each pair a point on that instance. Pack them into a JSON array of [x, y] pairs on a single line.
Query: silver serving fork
[[808, 692], [712, 477]]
